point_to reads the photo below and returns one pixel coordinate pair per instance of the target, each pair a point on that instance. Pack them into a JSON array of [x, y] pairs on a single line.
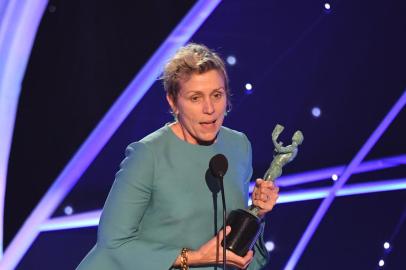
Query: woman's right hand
[[209, 254]]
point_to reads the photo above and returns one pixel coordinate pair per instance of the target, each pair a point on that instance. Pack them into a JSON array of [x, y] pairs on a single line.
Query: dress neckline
[[190, 145]]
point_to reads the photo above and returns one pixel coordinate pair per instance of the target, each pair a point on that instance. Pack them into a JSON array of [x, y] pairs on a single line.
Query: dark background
[[349, 61]]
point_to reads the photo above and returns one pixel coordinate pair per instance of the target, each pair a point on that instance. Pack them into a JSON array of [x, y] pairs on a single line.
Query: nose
[[208, 106]]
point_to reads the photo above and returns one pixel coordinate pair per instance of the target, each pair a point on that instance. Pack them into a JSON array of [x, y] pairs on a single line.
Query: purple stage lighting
[[68, 210], [19, 21], [92, 218], [270, 246], [231, 60], [353, 189], [82, 220], [248, 89], [316, 112], [326, 173], [321, 211], [104, 130]]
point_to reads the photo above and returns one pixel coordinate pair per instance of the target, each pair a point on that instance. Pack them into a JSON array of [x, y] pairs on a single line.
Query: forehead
[[204, 82]]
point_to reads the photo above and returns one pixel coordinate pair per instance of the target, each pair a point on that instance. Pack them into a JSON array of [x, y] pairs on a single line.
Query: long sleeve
[[160, 202], [261, 255], [119, 239]]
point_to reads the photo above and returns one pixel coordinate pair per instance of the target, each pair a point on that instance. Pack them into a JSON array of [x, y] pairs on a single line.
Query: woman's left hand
[[264, 195]]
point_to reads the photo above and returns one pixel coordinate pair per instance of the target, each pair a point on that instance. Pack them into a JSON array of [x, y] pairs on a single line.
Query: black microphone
[[218, 166]]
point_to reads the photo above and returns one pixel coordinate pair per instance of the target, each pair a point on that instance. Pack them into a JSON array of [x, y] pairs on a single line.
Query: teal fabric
[[160, 202]]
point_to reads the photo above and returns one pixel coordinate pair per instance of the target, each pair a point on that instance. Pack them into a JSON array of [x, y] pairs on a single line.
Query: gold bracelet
[[183, 259]]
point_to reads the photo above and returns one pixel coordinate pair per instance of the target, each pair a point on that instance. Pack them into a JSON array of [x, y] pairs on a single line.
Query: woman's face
[[200, 106]]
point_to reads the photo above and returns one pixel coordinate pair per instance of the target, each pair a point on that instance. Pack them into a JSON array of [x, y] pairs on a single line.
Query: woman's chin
[[206, 140]]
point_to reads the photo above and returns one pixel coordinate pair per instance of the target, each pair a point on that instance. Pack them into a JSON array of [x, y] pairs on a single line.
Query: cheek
[[222, 109], [188, 114]]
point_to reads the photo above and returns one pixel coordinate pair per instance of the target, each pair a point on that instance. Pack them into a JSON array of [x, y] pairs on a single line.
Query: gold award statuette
[[246, 223]]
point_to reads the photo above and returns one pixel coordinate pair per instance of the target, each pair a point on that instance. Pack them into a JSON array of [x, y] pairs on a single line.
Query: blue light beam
[[19, 22], [103, 132], [321, 211], [89, 219], [326, 173]]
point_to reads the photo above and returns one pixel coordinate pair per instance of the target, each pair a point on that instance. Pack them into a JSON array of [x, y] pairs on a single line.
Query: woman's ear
[[171, 104]]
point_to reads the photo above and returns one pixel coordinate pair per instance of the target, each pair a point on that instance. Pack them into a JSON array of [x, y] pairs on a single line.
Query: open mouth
[[208, 122]]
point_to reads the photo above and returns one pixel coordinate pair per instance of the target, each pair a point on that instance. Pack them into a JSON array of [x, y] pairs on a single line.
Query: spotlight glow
[[104, 130], [248, 86], [88, 219], [270, 246], [334, 177], [68, 210], [386, 245], [327, 6], [381, 263], [231, 60], [316, 112], [349, 170]]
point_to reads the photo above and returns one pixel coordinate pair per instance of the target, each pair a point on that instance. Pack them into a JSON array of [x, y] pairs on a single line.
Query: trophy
[[246, 223]]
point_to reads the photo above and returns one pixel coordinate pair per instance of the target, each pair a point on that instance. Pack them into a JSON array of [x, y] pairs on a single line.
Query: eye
[[195, 98], [218, 95]]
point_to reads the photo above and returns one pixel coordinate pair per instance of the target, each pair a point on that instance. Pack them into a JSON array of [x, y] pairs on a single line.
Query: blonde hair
[[188, 60]]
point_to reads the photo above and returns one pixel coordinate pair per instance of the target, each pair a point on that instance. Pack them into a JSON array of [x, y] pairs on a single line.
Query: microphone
[[218, 166]]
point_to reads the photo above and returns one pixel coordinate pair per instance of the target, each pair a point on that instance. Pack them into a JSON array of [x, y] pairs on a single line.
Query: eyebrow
[[198, 91]]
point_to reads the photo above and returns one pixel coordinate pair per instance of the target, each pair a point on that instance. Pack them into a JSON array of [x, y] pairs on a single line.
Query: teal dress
[[161, 202]]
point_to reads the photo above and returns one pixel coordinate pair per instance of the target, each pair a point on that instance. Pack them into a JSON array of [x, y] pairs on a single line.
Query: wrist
[[184, 259], [194, 257]]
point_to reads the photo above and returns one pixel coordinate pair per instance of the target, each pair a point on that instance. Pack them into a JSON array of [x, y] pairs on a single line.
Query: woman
[[160, 213]]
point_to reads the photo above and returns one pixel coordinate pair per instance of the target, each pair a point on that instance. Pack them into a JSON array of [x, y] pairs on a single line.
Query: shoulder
[[151, 146], [156, 136], [234, 135], [236, 142], [141, 155], [149, 142]]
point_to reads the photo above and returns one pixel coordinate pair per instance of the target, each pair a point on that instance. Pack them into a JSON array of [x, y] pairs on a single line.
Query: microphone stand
[[224, 220], [218, 166]]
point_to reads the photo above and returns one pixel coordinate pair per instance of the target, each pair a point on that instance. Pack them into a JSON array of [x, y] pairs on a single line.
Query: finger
[[260, 197], [260, 204], [265, 197], [267, 190], [269, 184], [221, 233], [238, 261], [274, 187], [266, 186], [259, 182], [268, 194], [257, 194], [228, 229], [249, 257], [267, 204]]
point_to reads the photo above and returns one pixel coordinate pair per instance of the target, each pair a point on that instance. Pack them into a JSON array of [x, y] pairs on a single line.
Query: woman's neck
[[181, 133]]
